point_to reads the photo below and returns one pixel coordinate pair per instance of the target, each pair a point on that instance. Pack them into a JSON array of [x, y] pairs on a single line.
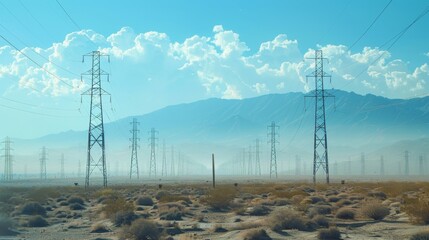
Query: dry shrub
[[174, 198], [99, 228], [144, 201], [321, 221], [76, 206], [75, 199], [417, 209], [319, 210], [290, 219], [171, 211], [142, 229], [375, 210], [345, 213], [40, 195], [289, 193], [260, 210], [257, 234], [119, 211], [33, 208], [422, 235], [331, 233], [36, 221], [220, 198], [377, 194]]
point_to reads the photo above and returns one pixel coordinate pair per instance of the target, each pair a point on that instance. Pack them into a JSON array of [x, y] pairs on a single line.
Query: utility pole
[[96, 158], [172, 170], [272, 135], [249, 166], [153, 143], [134, 166], [8, 162], [362, 163], [382, 165], [407, 163], [164, 160], [213, 169], [257, 159], [320, 157], [43, 155], [62, 166]]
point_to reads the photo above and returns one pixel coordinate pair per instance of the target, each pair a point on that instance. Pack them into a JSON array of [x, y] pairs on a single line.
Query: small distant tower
[[8, 162], [153, 143], [164, 160], [62, 166], [382, 165], [335, 168], [272, 135], [172, 170], [43, 156], [297, 165], [407, 163], [362, 163], [421, 166], [134, 166], [250, 168], [257, 160]]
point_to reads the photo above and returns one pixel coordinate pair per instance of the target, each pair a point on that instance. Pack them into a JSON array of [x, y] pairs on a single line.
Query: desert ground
[[231, 210]]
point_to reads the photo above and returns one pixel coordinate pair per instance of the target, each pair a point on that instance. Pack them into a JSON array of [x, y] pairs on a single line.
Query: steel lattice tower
[[257, 159], [272, 135], [43, 156], [421, 166], [152, 143], [362, 163], [96, 157], [297, 165], [172, 170], [8, 162], [62, 166], [164, 160], [382, 165], [320, 158], [134, 165], [407, 162], [249, 158]]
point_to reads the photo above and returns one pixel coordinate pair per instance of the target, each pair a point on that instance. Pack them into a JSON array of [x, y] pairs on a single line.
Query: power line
[[68, 15], [370, 26]]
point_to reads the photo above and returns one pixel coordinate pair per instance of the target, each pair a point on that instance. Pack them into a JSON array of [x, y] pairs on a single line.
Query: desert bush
[[315, 199], [290, 219], [417, 209], [40, 195], [334, 199], [161, 194], [220, 198], [171, 212], [33, 208], [281, 202], [76, 206], [115, 205], [345, 213], [257, 234], [37, 221], [76, 199], [142, 230], [343, 202], [6, 225], [377, 194], [319, 210], [329, 234], [321, 221], [174, 198], [144, 201], [99, 228], [124, 218], [260, 210], [422, 235], [375, 211]]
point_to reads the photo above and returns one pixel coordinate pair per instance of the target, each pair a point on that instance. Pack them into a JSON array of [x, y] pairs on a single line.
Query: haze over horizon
[[190, 51]]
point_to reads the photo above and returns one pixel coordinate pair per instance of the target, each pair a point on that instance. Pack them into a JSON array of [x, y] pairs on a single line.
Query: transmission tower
[[8, 162], [421, 166], [172, 170], [164, 160], [249, 163], [134, 166], [362, 163], [297, 165], [43, 156], [257, 159], [407, 168], [272, 135], [62, 166], [96, 157], [382, 165], [152, 143], [320, 158]]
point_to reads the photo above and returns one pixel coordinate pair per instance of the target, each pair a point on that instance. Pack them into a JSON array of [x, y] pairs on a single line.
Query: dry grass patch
[[422, 235], [257, 234], [220, 198], [345, 213], [142, 229], [329, 234], [375, 210], [417, 209]]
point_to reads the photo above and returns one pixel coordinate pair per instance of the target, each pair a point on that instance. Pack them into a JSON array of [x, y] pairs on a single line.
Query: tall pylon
[[407, 162], [164, 160], [320, 157], [243, 161], [249, 162], [297, 165], [96, 157], [134, 165], [257, 158], [8, 162], [43, 157], [153, 144], [62, 166], [421, 166], [172, 170], [382, 165], [362, 163], [272, 140]]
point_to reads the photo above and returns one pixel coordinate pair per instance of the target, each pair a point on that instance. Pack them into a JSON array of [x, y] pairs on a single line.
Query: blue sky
[[169, 52]]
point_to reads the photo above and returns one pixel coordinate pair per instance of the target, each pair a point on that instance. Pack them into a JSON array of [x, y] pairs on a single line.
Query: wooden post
[[213, 169]]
